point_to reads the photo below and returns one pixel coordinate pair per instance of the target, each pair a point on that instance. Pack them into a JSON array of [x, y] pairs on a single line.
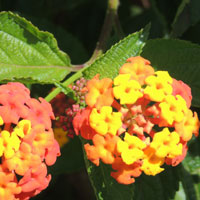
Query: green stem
[[70, 80], [160, 16]]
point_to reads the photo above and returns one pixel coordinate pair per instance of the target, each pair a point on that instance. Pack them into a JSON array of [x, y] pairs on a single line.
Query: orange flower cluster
[[137, 122], [27, 143]]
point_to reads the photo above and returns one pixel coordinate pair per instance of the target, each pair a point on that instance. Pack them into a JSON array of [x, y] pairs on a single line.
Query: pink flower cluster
[[27, 143]]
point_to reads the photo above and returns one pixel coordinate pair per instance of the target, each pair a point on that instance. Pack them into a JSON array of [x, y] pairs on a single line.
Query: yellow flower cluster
[[138, 121], [10, 142]]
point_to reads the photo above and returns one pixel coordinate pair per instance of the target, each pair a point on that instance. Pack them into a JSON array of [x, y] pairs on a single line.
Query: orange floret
[[23, 160], [182, 89], [40, 112], [104, 148], [138, 67], [100, 92], [125, 174], [81, 124], [188, 126], [33, 182], [8, 185], [13, 97]]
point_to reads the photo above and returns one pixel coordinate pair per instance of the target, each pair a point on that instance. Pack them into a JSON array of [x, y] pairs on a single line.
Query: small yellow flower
[[158, 86], [60, 136], [10, 143], [188, 126], [1, 121], [151, 163], [105, 121], [128, 91], [23, 128], [173, 109], [166, 144], [131, 148]]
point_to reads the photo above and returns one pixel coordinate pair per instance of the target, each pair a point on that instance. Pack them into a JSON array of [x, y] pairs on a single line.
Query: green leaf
[[71, 158], [162, 186], [187, 15], [28, 54], [180, 58], [109, 63], [67, 41]]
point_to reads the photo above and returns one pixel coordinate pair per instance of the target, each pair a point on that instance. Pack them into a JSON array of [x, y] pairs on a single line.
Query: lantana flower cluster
[[137, 122], [27, 144]]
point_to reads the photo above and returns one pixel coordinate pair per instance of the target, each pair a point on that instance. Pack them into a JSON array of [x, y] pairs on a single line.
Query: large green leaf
[[109, 63], [29, 54], [187, 15], [180, 58]]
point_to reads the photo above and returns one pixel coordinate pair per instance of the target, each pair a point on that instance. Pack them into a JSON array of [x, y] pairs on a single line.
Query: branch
[[111, 13], [110, 19]]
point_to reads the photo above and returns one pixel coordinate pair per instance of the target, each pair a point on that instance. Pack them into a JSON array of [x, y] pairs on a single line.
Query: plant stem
[[70, 80], [160, 17], [106, 29], [110, 19], [117, 27]]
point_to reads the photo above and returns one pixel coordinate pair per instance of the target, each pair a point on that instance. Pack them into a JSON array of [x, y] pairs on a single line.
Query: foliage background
[[76, 26]]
